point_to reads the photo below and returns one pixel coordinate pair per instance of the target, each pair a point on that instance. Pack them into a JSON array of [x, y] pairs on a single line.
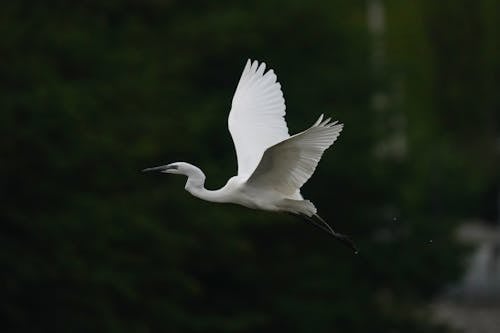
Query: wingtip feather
[[318, 121], [255, 65], [327, 123], [261, 69]]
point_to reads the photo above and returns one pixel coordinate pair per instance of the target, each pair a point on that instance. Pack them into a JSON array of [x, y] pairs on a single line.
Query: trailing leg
[[318, 222]]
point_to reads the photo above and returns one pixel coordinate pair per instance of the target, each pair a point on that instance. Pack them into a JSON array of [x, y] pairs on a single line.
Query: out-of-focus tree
[[446, 53]]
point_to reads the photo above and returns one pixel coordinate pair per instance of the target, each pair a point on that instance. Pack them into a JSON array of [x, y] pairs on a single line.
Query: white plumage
[[272, 165], [256, 121]]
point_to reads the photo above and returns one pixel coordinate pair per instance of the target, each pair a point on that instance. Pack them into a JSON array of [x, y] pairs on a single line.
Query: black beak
[[161, 168]]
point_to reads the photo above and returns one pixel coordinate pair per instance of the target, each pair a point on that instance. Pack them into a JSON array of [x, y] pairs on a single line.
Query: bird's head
[[174, 168], [178, 168]]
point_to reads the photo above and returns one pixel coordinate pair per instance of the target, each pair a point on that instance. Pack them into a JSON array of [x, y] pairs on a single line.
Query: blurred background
[[92, 92]]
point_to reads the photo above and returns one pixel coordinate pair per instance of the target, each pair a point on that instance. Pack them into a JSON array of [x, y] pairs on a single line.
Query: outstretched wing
[[287, 165], [256, 121]]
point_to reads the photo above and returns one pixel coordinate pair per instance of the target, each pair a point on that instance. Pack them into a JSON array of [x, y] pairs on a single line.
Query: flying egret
[[272, 165]]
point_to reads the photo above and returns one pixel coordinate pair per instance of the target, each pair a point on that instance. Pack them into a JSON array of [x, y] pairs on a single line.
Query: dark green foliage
[[93, 92]]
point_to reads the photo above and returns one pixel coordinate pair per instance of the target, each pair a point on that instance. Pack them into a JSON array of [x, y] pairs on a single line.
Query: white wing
[[286, 166], [256, 121]]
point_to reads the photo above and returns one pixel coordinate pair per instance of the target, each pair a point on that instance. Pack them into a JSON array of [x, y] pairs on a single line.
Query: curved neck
[[195, 185]]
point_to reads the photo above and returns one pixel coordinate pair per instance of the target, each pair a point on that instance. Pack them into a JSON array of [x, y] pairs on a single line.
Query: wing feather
[[286, 166], [256, 121]]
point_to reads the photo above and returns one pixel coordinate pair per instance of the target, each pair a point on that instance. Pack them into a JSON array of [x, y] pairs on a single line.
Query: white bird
[[272, 165]]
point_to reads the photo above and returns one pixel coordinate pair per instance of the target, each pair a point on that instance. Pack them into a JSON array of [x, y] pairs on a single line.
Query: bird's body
[[238, 191], [272, 165]]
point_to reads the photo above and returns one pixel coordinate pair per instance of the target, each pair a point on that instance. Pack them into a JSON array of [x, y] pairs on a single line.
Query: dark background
[[93, 92]]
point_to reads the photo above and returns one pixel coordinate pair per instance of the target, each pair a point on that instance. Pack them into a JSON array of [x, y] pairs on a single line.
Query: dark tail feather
[[323, 225]]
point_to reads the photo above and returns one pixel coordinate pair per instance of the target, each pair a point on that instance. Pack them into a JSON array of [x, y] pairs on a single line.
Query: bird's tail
[[299, 207]]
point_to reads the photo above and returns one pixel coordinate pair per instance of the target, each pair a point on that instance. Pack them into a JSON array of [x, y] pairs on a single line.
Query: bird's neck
[[196, 186]]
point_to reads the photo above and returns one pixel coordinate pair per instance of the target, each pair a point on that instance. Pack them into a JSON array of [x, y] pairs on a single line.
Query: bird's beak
[[162, 168]]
